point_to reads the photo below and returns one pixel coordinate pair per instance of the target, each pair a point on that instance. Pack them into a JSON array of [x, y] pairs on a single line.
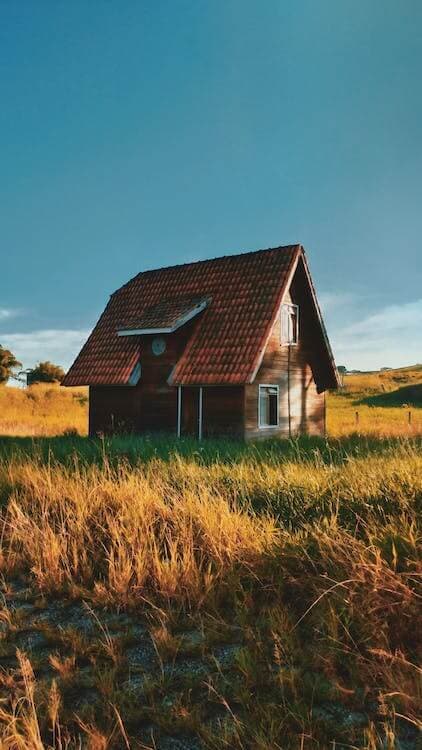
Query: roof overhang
[[300, 257], [335, 383], [181, 321]]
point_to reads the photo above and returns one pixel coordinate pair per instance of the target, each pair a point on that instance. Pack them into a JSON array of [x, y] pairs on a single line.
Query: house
[[231, 346]]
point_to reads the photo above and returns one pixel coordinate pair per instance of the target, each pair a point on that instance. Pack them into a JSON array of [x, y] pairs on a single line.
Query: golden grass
[[43, 410], [312, 551], [381, 381], [150, 536], [21, 729], [318, 561], [347, 411], [374, 421], [174, 528]]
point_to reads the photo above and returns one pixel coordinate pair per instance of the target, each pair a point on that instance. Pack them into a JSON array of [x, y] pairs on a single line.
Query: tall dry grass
[[176, 528], [375, 421], [377, 404], [310, 548], [42, 410], [126, 533], [317, 560]]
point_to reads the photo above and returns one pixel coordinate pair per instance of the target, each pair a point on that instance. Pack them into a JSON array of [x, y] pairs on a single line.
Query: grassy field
[[173, 595], [43, 410], [376, 403]]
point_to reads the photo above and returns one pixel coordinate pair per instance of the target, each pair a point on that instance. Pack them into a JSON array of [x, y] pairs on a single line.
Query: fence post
[[357, 418], [409, 417]]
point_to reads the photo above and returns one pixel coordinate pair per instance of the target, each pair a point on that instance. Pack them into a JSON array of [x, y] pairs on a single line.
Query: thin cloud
[[390, 337], [392, 319], [6, 313], [58, 346], [330, 301]]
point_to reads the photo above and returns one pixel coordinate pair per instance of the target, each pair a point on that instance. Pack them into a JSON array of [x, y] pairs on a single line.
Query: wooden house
[[233, 346]]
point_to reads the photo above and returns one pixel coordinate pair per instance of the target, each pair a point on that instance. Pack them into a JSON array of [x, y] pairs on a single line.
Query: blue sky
[[139, 134]]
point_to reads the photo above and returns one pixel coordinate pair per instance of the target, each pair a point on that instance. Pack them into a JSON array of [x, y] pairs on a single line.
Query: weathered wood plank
[[301, 407]]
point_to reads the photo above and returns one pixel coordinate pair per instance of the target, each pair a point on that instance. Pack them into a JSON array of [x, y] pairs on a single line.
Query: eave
[[181, 321]]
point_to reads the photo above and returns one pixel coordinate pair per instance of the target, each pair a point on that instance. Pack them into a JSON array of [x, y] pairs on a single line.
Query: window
[[158, 346], [289, 324], [135, 374], [268, 406]]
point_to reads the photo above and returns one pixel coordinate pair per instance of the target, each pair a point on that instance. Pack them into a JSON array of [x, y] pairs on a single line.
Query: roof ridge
[[297, 250], [223, 346], [295, 245]]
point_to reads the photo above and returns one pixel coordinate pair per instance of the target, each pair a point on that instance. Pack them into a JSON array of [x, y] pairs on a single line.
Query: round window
[[158, 346]]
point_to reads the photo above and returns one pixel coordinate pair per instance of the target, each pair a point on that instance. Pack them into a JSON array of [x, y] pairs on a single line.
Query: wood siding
[[223, 411], [112, 409], [301, 407], [151, 405]]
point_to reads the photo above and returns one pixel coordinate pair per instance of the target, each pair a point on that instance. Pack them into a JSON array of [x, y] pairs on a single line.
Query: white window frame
[[285, 305], [268, 426]]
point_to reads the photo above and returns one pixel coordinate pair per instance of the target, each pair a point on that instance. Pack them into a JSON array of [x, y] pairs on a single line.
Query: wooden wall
[[112, 409], [227, 410], [301, 407], [150, 406], [223, 411]]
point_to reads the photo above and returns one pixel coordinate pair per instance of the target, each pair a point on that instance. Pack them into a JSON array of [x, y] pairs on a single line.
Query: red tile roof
[[244, 292], [167, 314]]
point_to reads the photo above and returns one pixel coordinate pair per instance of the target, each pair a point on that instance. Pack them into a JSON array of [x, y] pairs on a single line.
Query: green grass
[[406, 396], [138, 449]]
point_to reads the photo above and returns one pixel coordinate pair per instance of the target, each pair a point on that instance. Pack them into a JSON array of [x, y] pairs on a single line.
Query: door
[[190, 412]]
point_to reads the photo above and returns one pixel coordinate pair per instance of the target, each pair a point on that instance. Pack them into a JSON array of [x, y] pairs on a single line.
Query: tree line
[[43, 372]]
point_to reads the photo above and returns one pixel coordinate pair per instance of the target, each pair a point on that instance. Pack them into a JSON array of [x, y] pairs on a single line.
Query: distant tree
[[8, 363], [45, 372]]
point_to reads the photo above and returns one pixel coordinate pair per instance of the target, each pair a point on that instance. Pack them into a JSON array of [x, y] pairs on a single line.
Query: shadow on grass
[[408, 395], [67, 450]]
